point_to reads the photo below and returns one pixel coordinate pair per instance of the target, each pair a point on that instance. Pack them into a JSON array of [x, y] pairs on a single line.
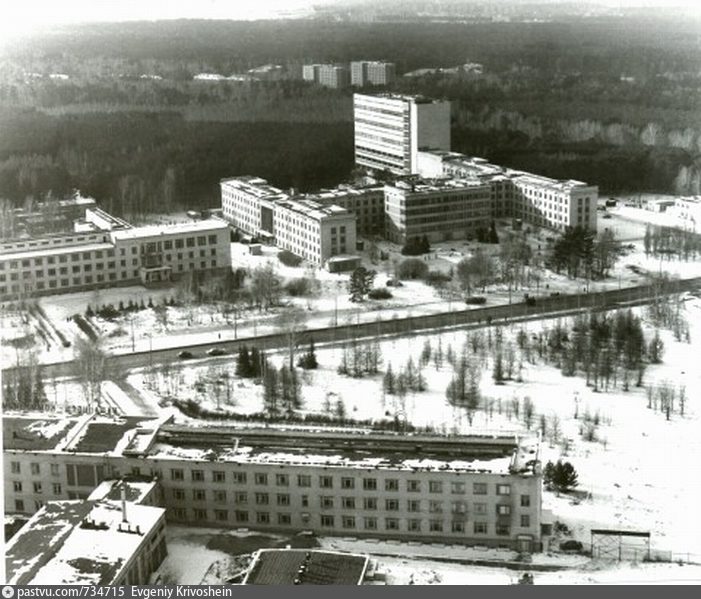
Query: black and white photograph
[[350, 292]]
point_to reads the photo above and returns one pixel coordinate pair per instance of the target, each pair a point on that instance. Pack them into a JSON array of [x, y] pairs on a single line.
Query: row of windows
[[34, 468], [349, 522], [327, 482], [37, 487]]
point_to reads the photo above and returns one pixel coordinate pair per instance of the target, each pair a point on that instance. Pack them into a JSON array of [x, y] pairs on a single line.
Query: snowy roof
[[78, 542], [136, 491], [300, 566], [37, 434], [198, 226], [53, 251], [312, 209], [252, 185], [421, 185]]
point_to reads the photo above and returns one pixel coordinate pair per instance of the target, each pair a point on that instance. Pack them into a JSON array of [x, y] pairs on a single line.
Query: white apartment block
[[440, 209], [391, 129], [445, 489], [313, 231], [687, 211], [241, 199], [372, 72], [535, 199], [366, 203], [106, 252], [327, 75]]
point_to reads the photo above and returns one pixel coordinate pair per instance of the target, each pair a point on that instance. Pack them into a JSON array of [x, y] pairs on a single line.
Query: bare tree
[[292, 323], [91, 369]]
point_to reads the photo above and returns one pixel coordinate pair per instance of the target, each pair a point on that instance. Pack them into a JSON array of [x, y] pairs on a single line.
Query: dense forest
[[612, 102]]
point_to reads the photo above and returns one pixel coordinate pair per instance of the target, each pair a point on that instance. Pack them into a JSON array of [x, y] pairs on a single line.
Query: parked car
[[185, 355], [476, 299], [216, 351]]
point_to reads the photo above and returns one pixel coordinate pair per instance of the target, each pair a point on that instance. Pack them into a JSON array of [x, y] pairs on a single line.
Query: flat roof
[[311, 208], [135, 490], [77, 542], [197, 226], [420, 185], [299, 566], [35, 433], [256, 186]]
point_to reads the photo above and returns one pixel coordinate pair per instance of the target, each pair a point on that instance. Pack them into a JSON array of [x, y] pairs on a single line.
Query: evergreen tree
[[389, 381], [360, 283], [308, 361], [426, 352], [498, 371], [340, 410], [271, 396], [243, 363], [655, 349], [257, 361], [564, 476]]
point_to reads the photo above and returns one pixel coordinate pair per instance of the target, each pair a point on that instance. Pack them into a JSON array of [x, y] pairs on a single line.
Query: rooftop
[[414, 99], [135, 490], [298, 566], [420, 185], [311, 208], [197, 226], [252, 185], [77, 542], [35, 434]]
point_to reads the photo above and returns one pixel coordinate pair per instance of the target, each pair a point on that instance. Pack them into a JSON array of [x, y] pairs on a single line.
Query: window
[[480, 509], [370, 503], [283, 499], [435, 486], [260, 478], [263, 517], [391, 484], [348, 503], [218, 476], [414, 525], [19, 505], [525, 520], [348, 521], [220, 496], [525, 501], [304, 480], [282, 480], [198, 475], [457, 488], [391, 524], [435, 525], [15, 467], [37, 488], [241, 497], [179, 494], [480, 528], [202, 240], [221, 515], [414, 505], [240, 478], [179, 513], [200, 514], [503, 530], [503, 489], [284, 519], [458, 507], [198, 494], [326, 502], [212, 239], [479, 488], [347, 483], [370, 523], [391, 505], [326, 482], [327, 521], [370, 484], [261, 499], [305, 500], [17, 486], [34, 467], [240, 516], [457, 526], [435, 507]]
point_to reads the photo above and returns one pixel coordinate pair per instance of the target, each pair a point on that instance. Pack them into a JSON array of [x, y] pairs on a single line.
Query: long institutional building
[[482, 490], [105, 251]]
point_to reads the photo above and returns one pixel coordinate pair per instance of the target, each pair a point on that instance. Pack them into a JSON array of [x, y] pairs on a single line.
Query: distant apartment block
[[105, 251], [687, 210], [372, 72], [311, 229], [440, 209], [391, 129], [537, 200], [470, 490], [327, 75]]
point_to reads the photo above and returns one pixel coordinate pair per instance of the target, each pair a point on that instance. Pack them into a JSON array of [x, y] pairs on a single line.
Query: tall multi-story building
[[482, 490], [242, 199], [366, 203], [391, 129], [538, 200], [106, 251], [440, 209], [327, 75], [372, 72]]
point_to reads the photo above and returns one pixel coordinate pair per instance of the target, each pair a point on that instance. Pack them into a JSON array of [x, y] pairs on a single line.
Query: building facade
[[327, 75], [372, 72], [440, 209], [391, 129], [467, 490], [366, 203]]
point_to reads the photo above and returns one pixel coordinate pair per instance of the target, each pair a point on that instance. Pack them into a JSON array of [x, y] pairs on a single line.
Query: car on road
[[216, 351], [185, 355], [476, 300]]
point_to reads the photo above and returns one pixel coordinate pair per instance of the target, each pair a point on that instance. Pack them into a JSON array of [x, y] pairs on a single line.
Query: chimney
[[124, 503]]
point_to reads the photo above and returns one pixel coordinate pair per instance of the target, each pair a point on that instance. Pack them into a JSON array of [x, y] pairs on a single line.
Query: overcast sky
[[22, 16]]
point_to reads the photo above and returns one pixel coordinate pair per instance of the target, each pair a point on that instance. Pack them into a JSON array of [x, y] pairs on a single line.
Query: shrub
[[412, 268], [289, 259], [476, 299], [298, 287], [380, 294], [394, 283], [108, 312], [437, 278]]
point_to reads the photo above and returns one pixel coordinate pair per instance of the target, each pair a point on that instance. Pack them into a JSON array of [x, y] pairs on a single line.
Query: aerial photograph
[[350, 292]]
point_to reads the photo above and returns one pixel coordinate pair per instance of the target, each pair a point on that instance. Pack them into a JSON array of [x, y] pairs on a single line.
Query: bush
[[380, 294], [108, 312], [413, 268], [289, 259], [393, 283], [476, 299], [298, 287], [437, 278]]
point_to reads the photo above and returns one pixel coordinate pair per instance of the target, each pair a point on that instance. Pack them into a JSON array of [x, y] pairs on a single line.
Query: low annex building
[[482, 490]]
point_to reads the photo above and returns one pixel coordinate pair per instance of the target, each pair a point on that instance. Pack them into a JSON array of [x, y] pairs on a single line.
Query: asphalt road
[[471, 316]]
